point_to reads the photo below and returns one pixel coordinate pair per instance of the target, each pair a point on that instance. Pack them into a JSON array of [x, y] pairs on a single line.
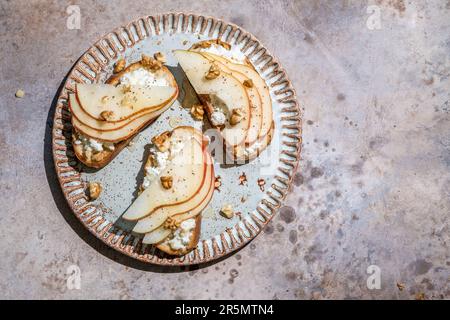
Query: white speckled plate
[[121, 178]]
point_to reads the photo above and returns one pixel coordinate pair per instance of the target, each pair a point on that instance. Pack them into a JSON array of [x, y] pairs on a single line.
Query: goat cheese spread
[[218, 118], [162, 160], [182, 236], [92, 145], [218, 50], [143, 77]]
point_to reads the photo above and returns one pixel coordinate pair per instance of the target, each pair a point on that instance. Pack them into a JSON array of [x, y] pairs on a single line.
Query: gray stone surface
[[373, 187]]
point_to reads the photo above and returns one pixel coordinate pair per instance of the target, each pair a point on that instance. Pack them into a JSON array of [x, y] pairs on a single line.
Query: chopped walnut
[[227, 211], [171, 224], [217, 183], [150, 63], [236, 116], [152, 160], [243, 199], [203, 45], [166, 182], [106, 115], [162, 141], [197, 111], [120, 65], [243, 179], [95, 189], [261, 184], [213, 72], [248, 83], [160, 57], [20, 93]]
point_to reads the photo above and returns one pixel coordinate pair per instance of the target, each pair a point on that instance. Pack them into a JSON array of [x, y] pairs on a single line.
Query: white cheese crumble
[[143, 77], [253, 148], [218, 50], [90, 144], [218, 118], [162, 160], [182, 236]]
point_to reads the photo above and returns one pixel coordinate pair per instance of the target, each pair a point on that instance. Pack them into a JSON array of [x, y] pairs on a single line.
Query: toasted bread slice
[[100, 158], [193, 240], [169, 234], [177, 156], [261, 123]]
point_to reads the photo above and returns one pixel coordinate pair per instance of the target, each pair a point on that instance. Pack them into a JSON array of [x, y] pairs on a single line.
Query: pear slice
[[106, 102], [101, 125], [255, 100], [157, 235], [122, 133], [161, 233], [159, 216], [187, 169], [224, 88], [259, 83]]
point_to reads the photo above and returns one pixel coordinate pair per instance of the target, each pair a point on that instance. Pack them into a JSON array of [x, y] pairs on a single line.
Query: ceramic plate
[[268, 178]]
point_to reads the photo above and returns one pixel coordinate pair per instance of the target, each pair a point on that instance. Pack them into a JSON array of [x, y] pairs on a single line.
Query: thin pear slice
[[98, 125], [157, 235], [121, 134], [259, 83], [255, 100], [160, 233], [225, 88], [160, 215], [254, 150], [187, 215], [187, 172], [95, 98]]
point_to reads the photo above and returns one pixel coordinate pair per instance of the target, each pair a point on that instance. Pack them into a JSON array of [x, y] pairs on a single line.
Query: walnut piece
[[203, 45], [166, 181], [160, 57], [95, 189], [227, 211], [171, 224], [106, 115], [150, 63], [236, 116], [20, 93], [217, 183], [243, 179], [261, 184], [162, 141], [213, 72], [248, 83], [120, 65], [197, 111]]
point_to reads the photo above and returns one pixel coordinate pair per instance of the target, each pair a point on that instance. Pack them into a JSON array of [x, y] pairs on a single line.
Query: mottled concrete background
[[374, 183]]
